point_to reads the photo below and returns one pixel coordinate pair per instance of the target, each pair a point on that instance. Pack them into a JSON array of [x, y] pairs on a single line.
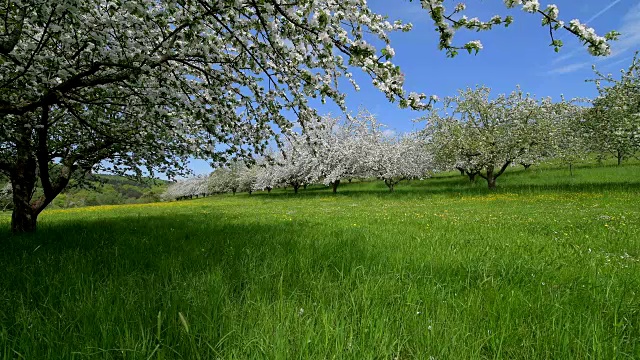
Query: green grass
[[544, 268]]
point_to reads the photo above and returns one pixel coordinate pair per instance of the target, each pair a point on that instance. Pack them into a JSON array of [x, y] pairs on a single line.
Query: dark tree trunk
[[390, 184], [268, 190], [304, 186], [23, 218], [619, 155], [472, 176], [491, 179], [571, 169], [334, 186], [295, 188], [233, 191], [462, 171], [526, 166], [23, 180], [350, 181], [250, 191]]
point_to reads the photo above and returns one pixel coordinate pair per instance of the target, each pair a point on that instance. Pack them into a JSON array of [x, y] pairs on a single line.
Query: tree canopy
[[134, 86]]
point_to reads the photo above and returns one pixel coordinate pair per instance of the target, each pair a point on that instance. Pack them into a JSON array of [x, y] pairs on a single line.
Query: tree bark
[[23, 180], [472, 176], [268, 190], [295, 188], [526, 166], [334, 186], [23, 218], [491, 178], [571, 169], [304, 186], [390, 184], [462, 171], [619, 155]]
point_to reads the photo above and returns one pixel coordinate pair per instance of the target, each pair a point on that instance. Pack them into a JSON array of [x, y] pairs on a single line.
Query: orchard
[[139, 87]]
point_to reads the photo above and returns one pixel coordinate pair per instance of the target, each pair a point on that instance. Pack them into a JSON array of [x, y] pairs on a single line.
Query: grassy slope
[[547, 267]]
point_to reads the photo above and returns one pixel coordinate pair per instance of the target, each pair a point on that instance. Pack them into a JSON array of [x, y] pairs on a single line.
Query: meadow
[[546, 267]]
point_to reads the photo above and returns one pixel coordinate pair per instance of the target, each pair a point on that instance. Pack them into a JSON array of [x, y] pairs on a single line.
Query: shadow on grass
[[163, 247], [456, 187]]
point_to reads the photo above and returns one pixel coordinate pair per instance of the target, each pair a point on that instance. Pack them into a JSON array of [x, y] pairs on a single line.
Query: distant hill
[[103, 189]]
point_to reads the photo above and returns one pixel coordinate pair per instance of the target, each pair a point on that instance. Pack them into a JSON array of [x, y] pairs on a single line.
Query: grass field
[[544, 268]]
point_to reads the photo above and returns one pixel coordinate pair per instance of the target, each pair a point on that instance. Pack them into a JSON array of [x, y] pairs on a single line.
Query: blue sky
[[517, 55]]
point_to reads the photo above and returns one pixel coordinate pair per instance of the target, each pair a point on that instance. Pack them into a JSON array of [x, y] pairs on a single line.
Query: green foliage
[[110, 190], [613, 123], [547, 266]]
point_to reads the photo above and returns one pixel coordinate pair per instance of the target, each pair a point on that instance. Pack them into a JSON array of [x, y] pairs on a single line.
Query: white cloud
[[625, 60], [604, 10], [630, 32], [570, 68], [389, 133]]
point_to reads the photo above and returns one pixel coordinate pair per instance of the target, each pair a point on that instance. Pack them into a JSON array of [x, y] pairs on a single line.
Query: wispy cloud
[[630, 32], [625, 60], [389, 133], [569, 68], [604, 10]]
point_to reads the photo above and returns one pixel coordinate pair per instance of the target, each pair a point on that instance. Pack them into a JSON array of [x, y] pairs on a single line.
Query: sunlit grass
[[546, 267]]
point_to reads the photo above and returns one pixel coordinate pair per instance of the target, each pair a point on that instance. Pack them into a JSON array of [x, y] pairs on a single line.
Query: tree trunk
[[23, 218], [304, 186], [526, 166], [619, 155], [268, 190], [23, 180], [491, 179], [390, 184], [250, 191], [295, 188], [461, 170], [350, 181], [233, 191], [571, 169], [334, 186], [472, 176]]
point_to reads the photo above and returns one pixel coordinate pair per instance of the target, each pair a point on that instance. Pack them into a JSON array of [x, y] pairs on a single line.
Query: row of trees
[[328, 151], [483, 136], [473, 132]]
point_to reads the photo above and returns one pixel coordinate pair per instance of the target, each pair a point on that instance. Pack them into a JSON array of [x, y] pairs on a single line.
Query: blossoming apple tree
[[485, 136], [133, 86], [393, 159], [613, 123], [339, 146], [187, 188]]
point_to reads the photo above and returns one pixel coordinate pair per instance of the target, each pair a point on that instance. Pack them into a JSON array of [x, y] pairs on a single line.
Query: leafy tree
[[394, 159], [485, 136], [127, 86], [187, 188], [613, 123], [297, 164], [5, 196], [570, 143], [340, 146]]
